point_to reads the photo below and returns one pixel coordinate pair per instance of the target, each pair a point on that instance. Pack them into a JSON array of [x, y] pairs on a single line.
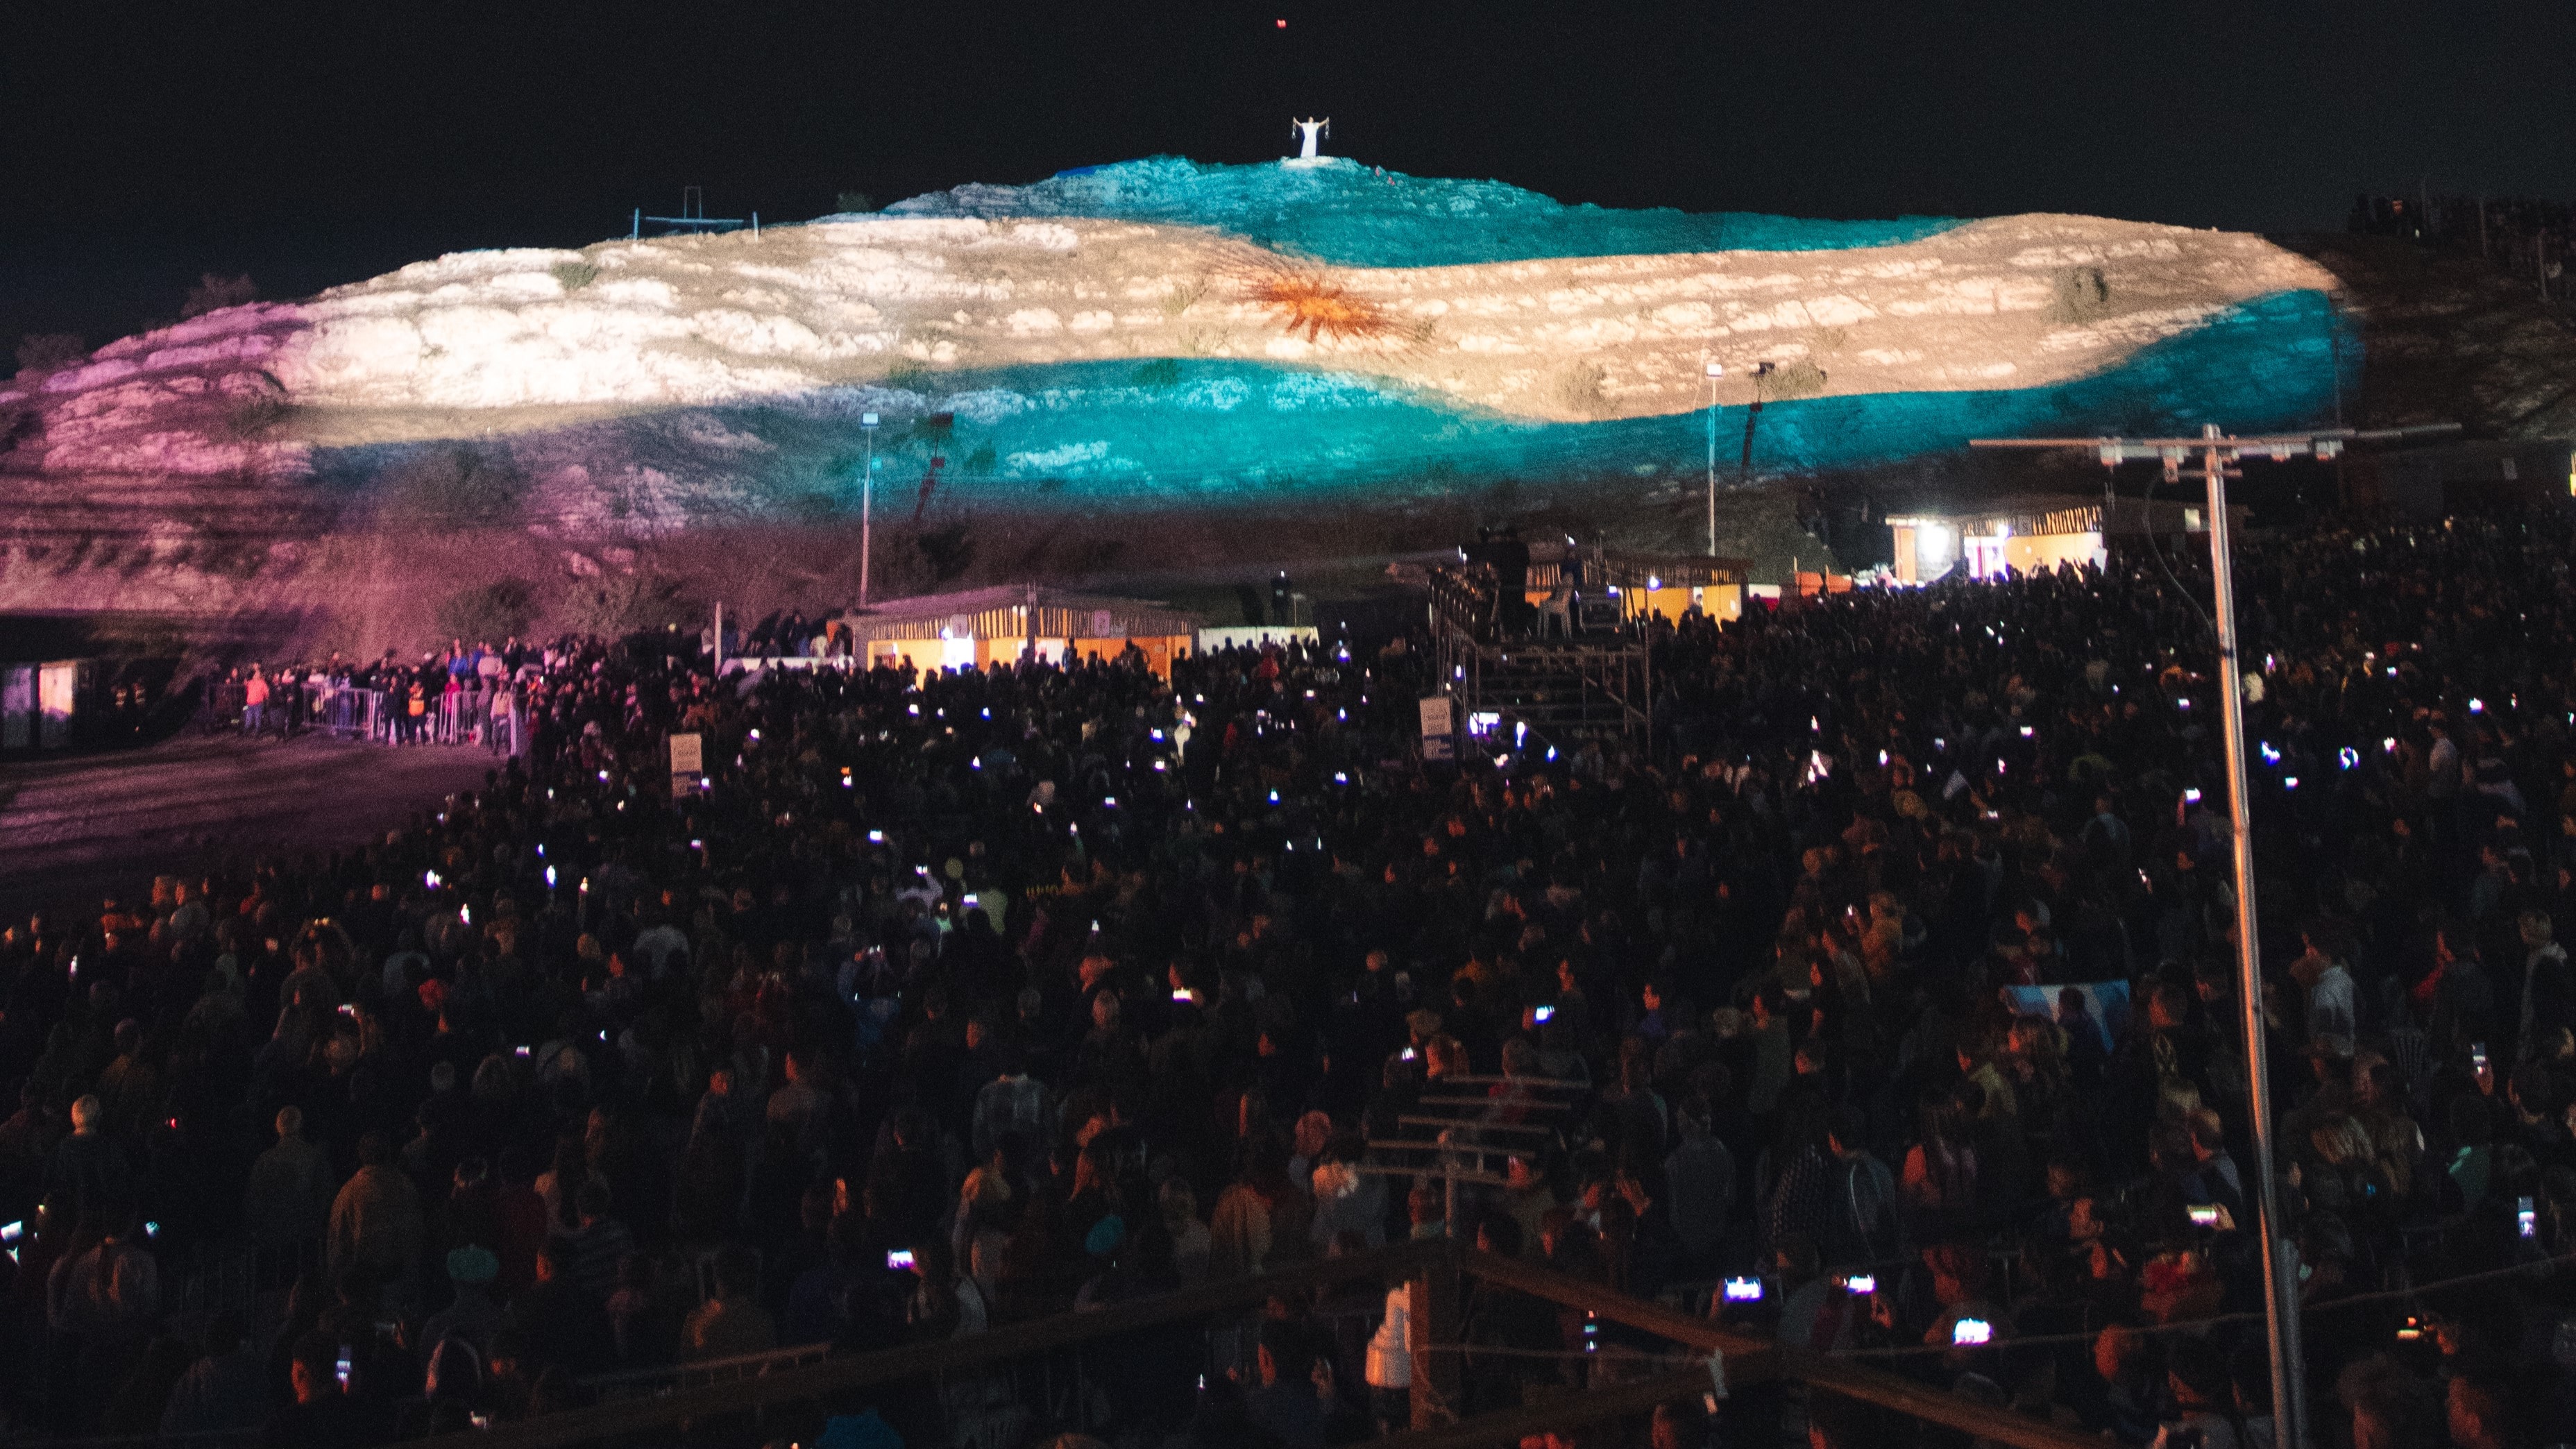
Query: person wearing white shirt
[[1390, 1363], [2331, 1000], [2443, 762]]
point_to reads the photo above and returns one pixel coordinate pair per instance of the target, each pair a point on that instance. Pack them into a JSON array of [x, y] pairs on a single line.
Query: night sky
[[309, 142]]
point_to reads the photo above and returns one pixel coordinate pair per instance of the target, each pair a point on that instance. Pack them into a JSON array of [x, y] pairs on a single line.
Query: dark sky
[[309, 142]]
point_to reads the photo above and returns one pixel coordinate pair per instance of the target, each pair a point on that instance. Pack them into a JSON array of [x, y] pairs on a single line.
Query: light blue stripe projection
[[1207, 431], [1351, 215]]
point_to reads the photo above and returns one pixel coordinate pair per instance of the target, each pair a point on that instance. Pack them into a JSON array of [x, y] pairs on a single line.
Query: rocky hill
[[2452, 338], [1192, 362]]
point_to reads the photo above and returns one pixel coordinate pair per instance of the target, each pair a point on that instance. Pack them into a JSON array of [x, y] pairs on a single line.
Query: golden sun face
[[1314, 304]]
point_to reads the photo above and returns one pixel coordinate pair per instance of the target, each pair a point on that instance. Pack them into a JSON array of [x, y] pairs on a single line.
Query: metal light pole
[[1716, 370], [867, 504], [2280, 1287], [1753, 415], [2217, 452], [2334, 345]]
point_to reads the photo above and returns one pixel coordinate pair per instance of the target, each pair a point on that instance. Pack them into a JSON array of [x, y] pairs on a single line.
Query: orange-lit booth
[[975, 628]]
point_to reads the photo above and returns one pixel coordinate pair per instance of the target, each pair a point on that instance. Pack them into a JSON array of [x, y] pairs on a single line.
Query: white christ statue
[[1308, 133]]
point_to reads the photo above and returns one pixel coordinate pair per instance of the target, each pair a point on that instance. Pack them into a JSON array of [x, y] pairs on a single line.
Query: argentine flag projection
[[1164, 332]]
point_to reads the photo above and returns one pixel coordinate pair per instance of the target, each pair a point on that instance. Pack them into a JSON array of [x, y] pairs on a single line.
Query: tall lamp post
[[867, 504], [2334, 346], [2218, 453], [1716, 370], [1753, 415]]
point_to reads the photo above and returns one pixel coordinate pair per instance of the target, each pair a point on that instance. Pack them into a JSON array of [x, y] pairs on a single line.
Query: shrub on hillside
[[51, 351], [213, 293], [492, 611], [1798, 377], [2078, 294], [948, 550], [573, 276], [614, 605]]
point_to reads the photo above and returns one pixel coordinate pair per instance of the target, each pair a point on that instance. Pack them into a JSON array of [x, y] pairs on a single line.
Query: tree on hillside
[[496, 610], [50, 351], [213, 293]]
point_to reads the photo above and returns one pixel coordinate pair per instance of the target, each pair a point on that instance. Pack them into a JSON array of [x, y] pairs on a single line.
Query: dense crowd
[[479, 693], [1897, 968], [464, 694]]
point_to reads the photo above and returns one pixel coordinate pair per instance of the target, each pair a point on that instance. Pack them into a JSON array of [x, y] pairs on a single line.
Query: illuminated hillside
[[1141, 338]]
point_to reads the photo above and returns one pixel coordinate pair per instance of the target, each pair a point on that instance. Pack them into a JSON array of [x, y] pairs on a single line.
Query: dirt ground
[[74, 830]]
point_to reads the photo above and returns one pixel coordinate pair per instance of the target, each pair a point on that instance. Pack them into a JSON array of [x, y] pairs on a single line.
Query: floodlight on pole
[[867, 503], [1715, 370], [2218, 455]]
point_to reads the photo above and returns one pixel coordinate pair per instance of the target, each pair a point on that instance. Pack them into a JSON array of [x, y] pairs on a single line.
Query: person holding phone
[[931, 1309], [325, 1413]]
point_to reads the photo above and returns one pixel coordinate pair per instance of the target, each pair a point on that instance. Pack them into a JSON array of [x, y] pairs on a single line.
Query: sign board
[[2104, 1007], [688, 763], [1439, 727], [57, 697]]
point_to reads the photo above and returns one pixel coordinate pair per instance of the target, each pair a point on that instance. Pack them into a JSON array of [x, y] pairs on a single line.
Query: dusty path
[[72, 830]]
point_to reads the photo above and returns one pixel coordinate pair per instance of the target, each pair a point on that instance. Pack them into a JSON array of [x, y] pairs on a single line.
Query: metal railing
[[198, 1439], [1558, 691], [670, 1378], [351, 714], [377, 716], [1071, 1371], [988, 1388]]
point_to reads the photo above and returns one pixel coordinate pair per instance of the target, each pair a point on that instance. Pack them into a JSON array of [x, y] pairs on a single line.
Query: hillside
[[1157, 355], [2452, 339]]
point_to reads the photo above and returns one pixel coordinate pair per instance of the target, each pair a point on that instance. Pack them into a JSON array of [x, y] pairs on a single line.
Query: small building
[[1589, 588], [2422, 484], [1256, 636], [2030, 533], [1645, 584], [974, 628]]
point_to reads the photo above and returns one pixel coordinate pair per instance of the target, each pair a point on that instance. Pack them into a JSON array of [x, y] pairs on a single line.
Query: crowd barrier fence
[[374, 716]]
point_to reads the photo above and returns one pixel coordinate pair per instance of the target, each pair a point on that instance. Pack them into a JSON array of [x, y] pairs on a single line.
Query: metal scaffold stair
[[1560, 654]]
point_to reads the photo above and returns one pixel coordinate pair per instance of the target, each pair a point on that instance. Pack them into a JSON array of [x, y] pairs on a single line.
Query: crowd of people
[[1894, 977], [2528, 236], [464, 694]]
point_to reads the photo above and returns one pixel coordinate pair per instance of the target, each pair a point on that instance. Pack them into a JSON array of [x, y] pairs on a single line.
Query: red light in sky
[[1283, 24]]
